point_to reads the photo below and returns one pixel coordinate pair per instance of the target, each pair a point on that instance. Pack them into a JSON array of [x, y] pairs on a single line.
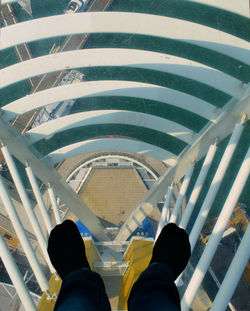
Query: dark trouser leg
[[82, 290], [154, 290]]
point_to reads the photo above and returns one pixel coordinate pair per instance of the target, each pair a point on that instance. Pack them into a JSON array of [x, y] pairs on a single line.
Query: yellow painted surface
[[11, 240], [55, 284], [46, 304], [138, 254], [91, 252]]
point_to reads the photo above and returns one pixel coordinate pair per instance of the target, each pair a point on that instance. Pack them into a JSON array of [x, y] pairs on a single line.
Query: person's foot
[[66, 249], [172, 248]]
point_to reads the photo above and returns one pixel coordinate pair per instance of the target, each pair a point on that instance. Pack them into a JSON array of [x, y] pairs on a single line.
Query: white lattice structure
[[172, 135]]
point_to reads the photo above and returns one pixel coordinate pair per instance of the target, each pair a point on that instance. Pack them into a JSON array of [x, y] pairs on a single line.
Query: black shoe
[[66, 249], [172, 248]]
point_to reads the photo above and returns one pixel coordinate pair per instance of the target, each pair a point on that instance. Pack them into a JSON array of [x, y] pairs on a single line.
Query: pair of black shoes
[[67, 252]]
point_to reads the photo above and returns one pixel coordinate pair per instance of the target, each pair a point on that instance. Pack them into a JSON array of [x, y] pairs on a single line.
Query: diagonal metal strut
[[46, 173]]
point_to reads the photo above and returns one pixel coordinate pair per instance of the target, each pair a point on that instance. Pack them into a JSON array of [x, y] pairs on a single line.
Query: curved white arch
[[120, 22], [111, 144], [240, 7], [120, 57], [111, 116], [7, 1], [110, 88], [113, 156]]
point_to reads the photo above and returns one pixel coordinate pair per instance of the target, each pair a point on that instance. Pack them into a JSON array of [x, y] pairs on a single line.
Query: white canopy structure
[[168, 103]]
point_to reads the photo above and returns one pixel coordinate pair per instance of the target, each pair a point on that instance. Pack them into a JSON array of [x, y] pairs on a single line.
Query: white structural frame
[[27, 205], [18, 227], [234, 273], [214, 187], [16, 276], [198, 186], [111, 117], [165, 214], [39, 199], [131, 58], [45, 172], [215, 184], [233, 113], [111, 88], [3, 2], [182, 193], [216, 234], [112, 156], [111, 144], [54, 205], [121, 22], [241, 7]]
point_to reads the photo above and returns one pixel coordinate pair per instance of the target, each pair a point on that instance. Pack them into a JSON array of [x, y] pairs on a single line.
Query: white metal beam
[[165, 213], [120, 57], [54, 205], [39, 199], [111, 88], [21, 234], [216, 234], [120, 22], [215, 184], [18, 147], [8, 1], [16, 276], [111, 117], [113, 156], [240, 7], [198, 186], [223, 126], [111, 144], [181, 194], [27, 205], [234, 273]]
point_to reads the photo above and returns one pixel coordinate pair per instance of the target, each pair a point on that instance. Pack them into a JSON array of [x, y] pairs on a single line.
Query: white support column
[[16, 276], [181, 195], [19, 147], [165, 214], [234, 273], [54, 205], [198, 186], [39, 198], [216, 235], [224, 124], [43, 283], [26, 203], [215, 185]]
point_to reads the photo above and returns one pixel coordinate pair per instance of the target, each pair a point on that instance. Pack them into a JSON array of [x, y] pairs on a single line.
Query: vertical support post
[[26, 203], [215, 185], [198, 186], [182, 193], [165, 211], [54, 205], [43, 283], [216, 235], [39, 198], [234, 273], [16, 276]]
